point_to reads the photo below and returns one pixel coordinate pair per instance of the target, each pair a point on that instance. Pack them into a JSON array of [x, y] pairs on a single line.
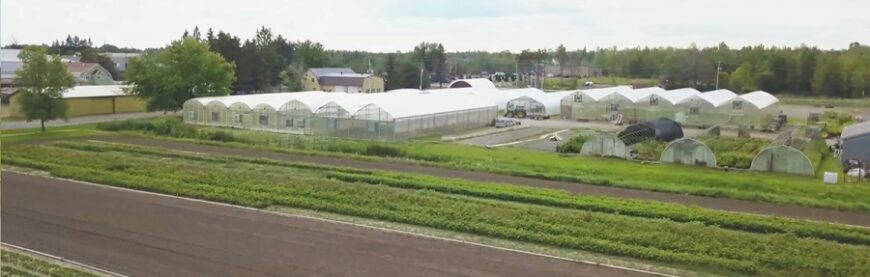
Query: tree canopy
[[43, 80], [185, 69]]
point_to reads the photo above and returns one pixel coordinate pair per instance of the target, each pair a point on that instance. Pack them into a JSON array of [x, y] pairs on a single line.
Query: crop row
[[261, 184], [15, 264], [530, 195], [755, 186]]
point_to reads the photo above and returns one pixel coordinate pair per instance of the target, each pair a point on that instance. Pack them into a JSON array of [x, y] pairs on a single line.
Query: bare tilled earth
[[141, 234], [792, 211]]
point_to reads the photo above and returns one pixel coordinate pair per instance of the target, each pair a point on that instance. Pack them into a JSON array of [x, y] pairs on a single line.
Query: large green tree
[[185, 69], [43, 81]]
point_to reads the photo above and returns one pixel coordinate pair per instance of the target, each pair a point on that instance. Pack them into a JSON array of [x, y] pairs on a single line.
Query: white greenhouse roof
[[601, 93], [760, 99], [677, 95], [94, 91], [639, 94], [718, 97], [551, 101], [478, 83]]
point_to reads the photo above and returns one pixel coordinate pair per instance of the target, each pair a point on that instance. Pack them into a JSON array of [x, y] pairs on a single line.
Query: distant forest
[[268, 62]]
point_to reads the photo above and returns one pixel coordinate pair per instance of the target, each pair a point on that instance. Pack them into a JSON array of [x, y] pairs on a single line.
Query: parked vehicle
[[503, 122]]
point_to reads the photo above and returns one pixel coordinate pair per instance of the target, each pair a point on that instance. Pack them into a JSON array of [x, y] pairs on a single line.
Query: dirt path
[[792, 211], [141, 234]]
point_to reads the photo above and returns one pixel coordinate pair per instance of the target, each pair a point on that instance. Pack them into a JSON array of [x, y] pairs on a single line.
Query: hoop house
[[689, 151], [706, 109], [754, 110], [589, 104], [783, 158], [537, 105], [604, 145]]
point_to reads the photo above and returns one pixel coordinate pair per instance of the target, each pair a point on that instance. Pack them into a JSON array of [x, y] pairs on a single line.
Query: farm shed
[[689, 151], [754, 110], [89, 100], [604, 145], [537, 105], [855, 142], [706, 109], [662, 129], [783, 158], [587, 104]]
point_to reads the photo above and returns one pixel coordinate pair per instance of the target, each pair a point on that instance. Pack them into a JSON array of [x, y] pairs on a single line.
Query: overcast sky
[[390, 25]]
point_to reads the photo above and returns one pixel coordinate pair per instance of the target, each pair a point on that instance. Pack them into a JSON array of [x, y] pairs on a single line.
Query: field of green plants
[[734, 152], [755, 186], [674, 235], [15, 264]]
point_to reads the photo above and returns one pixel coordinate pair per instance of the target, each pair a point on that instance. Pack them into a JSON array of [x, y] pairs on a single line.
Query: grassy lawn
[[755, 186], [673, 235], [51, 133], [564, 83], [820, 101], [19, 264]]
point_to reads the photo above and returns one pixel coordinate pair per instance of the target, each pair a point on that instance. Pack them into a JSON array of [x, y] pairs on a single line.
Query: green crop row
[[563, 199], [754, 186], [258, 183], [15, 264], [541, 196]]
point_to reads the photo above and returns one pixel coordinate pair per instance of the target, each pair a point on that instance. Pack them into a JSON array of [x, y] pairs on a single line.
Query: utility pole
[[421, 75], [718, 66]]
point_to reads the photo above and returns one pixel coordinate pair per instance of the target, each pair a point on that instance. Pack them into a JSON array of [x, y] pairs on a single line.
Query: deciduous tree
[[43, 80], [185, 69]]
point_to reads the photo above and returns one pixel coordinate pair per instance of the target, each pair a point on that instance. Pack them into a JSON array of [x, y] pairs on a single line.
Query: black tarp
[[663, 129]]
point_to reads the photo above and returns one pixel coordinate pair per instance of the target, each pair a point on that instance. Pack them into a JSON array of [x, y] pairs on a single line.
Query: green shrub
[[383, 150], [650, 150], [573, 145], [735, 159]]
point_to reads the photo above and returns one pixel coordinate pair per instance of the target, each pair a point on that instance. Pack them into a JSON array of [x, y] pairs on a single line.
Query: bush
[[384, 150], [573, 145], [220, 135], [650, 150], [735, 159]]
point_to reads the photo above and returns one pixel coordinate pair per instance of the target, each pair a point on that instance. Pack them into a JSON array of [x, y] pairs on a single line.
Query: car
[[503, 122], [589, 83]]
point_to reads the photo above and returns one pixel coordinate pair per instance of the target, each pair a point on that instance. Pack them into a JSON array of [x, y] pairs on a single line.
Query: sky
[[461, 25]]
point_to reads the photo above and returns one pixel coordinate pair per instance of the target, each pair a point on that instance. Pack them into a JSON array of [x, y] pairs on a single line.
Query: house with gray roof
[[341, 79]]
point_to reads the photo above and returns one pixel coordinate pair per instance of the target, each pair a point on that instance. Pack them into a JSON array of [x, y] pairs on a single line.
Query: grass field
[[691, 238], [565, 83], [755, 186], [18, 264], [819, 101]]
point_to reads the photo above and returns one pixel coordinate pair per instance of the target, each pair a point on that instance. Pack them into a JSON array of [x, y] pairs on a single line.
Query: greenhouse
[[536, 105], [478, 83], [587, 104], [384, 116], [706, 109], [604, 145], [689, 151], [754, 110], [783, 158], [661, 129], [649, 103]]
